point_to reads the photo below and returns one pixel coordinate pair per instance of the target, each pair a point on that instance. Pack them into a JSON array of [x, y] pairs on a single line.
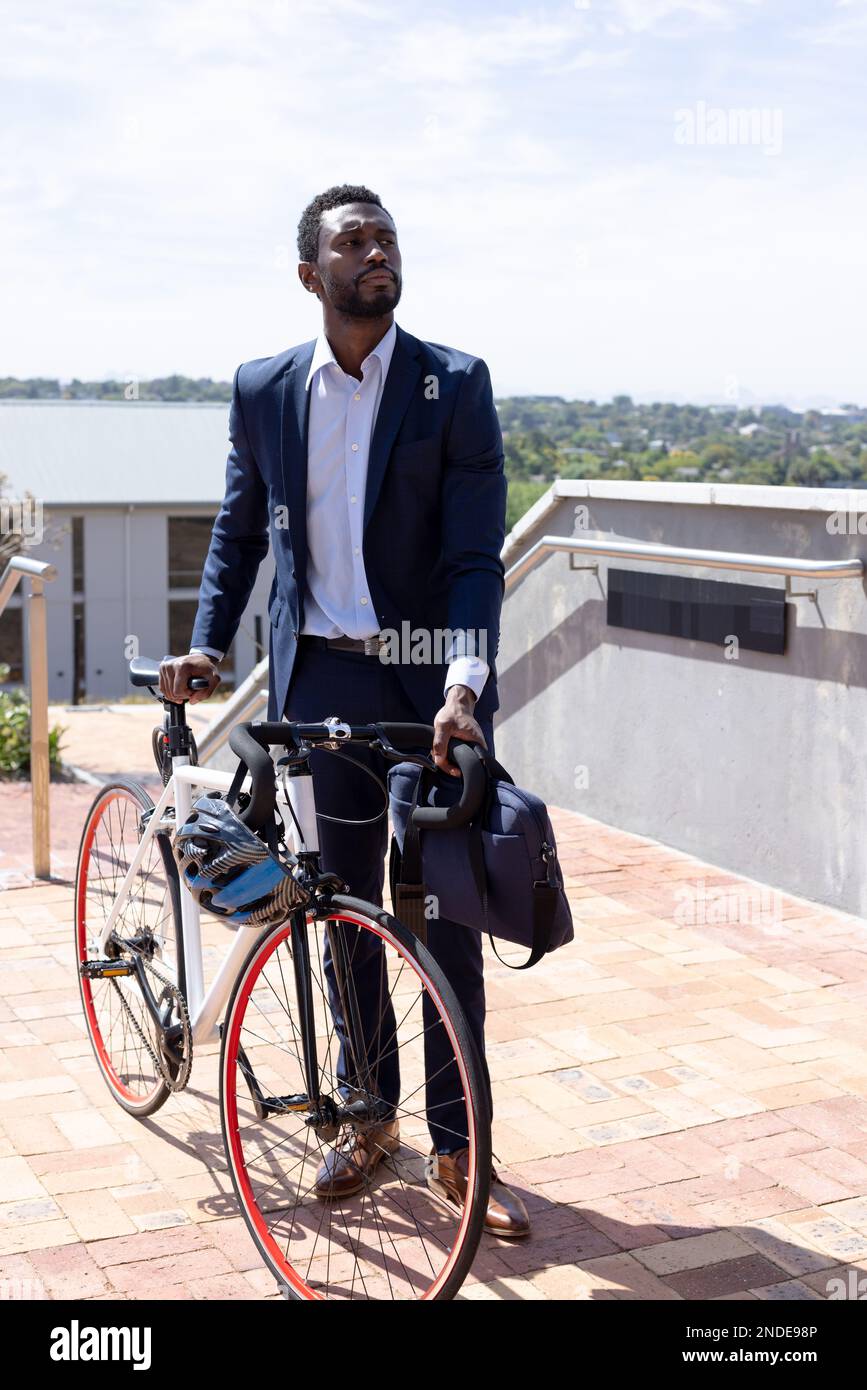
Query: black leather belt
[[369, 646]]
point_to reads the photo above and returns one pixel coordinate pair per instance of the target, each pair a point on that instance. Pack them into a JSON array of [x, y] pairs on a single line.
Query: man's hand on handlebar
[[455, 720], [177, 671]]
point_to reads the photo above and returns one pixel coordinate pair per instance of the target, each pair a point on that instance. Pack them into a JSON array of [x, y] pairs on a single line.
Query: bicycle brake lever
[[384, 745]]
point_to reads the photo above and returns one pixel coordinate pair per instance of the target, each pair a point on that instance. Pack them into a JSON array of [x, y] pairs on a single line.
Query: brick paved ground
[[681, 1096]]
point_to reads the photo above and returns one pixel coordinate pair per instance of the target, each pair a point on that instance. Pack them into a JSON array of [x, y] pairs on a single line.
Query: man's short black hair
[[311, 217]]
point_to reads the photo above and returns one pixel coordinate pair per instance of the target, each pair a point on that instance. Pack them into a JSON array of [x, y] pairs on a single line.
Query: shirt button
[[356, 550], [355, 448], [364, 600], [353, 498], [357, 397]]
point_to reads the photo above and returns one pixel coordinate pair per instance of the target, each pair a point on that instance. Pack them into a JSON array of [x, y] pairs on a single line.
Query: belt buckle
[[372, 645]]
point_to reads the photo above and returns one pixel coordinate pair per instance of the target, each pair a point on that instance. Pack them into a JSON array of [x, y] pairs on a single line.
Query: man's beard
[[352, 301]]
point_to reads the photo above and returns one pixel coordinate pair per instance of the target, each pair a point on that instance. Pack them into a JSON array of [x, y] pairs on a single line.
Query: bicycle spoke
[[389, 1238]]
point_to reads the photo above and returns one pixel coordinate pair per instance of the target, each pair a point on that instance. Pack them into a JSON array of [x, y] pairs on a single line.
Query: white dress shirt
[[343, 411]]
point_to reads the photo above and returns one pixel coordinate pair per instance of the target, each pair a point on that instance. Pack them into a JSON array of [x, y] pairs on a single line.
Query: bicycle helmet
[[230, 871]]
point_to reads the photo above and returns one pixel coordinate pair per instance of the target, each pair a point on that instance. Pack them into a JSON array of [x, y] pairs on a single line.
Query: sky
[[577, 199]]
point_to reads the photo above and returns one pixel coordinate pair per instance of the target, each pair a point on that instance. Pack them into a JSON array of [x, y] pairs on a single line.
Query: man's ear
[[309, 277]]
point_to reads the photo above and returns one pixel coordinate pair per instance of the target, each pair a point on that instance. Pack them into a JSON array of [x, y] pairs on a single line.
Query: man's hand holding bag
[[499, 874]]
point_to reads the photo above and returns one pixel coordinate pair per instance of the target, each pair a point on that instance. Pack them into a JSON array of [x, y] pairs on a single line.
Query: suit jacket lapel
[[403, 373], [293, 451]]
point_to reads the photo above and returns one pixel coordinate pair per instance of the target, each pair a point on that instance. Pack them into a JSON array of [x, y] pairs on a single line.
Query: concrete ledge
[[790, 499]]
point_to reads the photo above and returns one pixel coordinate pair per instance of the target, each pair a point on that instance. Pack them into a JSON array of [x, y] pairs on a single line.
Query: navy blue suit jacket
[[434, 510]]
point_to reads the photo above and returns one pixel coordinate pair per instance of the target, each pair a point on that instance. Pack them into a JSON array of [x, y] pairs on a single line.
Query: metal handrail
[[683, 555], [248, 698], [18, 566], [39, 573]]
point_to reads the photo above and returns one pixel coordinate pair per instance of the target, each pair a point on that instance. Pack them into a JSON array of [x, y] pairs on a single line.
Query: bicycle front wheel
[[395, 1065]]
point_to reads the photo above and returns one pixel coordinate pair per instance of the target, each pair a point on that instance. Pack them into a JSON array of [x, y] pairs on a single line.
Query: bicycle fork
[[327, 1112]]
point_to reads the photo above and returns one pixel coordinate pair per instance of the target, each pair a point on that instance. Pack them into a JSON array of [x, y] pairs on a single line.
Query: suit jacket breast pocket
[[416, 458]]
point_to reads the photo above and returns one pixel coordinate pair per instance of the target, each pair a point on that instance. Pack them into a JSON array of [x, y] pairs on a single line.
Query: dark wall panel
[[705, 610]]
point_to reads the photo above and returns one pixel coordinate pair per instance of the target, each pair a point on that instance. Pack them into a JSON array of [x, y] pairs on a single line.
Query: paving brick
[[802, 1178], [776, 1240], [34, 1134], [19, 1279], [731, 1276], [693, 1252], [18, 1182], [69, 1271], [223, 1286], [147, 1278], [626, 1278], [623, 1226], [85, 1129], [37, 1235], [578, 1244], [748, 1206], [95, 1215], [508, 1288], [234, 1241], [152, 1245]]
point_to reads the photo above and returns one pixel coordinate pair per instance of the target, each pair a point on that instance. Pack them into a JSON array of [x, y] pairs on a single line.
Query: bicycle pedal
[[283, 1105], [105, 969]]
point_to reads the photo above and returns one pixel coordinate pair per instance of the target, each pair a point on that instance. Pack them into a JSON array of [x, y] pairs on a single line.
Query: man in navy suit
[[376, 461]]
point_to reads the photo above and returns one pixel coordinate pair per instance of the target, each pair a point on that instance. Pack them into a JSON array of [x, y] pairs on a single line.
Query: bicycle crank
[[171, 1051]]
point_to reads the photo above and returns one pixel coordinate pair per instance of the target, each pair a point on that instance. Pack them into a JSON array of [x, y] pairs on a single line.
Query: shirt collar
[[323, 356]]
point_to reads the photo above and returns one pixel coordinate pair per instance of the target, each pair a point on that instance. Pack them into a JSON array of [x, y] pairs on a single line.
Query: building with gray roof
[[128, 492]]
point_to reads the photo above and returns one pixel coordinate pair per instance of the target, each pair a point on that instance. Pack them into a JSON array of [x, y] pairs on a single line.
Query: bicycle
[[282, 1003]]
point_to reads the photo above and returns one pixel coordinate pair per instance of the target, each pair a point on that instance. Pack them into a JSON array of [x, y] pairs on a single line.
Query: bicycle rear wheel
[[394, 1238], [124, 1037]]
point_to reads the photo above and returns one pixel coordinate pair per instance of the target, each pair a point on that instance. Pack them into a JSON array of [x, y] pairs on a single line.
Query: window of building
[[189, 538], [182, 615], [79, 683], [78, 554], [12, 643]]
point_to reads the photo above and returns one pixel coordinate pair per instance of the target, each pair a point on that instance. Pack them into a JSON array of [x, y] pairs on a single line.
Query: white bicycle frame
[[206, 1008]]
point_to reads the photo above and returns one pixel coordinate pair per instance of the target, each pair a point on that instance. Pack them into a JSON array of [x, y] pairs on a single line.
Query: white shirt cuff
[[209, 651], [468, 670]]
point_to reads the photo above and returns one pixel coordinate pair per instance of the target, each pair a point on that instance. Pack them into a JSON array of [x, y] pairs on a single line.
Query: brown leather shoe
[[347, 1170], [447, 1179]]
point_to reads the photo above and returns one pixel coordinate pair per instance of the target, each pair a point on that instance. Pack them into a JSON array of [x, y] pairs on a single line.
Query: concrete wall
[[757, 764], [126, 594]]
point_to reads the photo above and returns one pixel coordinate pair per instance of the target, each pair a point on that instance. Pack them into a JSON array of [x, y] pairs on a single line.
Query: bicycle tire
[[472, 1221], [157, 1095]]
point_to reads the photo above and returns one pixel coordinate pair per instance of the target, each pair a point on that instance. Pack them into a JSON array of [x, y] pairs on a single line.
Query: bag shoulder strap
[[405, 874]]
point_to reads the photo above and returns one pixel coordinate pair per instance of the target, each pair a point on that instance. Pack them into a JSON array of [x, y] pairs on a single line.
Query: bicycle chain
[[182, 1075]]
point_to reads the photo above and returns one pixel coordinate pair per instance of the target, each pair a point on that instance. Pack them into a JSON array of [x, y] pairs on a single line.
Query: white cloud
[[641, 15], [153, 164], [848, 23]]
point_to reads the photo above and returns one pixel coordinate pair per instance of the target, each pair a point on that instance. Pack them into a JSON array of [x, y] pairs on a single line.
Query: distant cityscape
[[548, 437]]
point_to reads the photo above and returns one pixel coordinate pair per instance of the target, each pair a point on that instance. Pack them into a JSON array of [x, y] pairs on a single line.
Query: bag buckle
[[549, 858]]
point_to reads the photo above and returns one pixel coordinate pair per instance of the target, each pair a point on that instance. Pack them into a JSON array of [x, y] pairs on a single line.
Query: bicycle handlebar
[[472, 792], [250, 743], [257, 760]]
